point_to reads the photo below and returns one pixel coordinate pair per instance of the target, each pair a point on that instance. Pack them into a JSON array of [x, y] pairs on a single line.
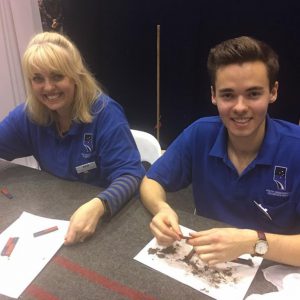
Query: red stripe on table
[[39, 293], [100, 279]]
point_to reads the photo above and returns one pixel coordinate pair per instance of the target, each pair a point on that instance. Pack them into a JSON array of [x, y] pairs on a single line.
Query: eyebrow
[[254, 88], [226, 90], [52, 73]]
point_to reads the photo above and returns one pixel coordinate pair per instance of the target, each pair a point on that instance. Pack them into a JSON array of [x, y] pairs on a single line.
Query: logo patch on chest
[[280, 177], [88, 145]]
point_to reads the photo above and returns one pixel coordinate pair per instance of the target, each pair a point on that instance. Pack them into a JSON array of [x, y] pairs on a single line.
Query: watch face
[[261, 247]]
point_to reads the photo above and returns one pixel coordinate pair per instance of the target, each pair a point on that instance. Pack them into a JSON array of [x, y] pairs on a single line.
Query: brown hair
[[240, 50]]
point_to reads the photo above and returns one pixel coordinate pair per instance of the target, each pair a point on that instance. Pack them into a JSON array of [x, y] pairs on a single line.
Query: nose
[[240, 105], [48, 85]]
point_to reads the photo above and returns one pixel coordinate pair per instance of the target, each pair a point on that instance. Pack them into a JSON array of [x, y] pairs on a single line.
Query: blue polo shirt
[[199, 157], [104, 148]]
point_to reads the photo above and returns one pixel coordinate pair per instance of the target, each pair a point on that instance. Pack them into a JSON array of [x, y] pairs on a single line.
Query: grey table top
[[102, 267]]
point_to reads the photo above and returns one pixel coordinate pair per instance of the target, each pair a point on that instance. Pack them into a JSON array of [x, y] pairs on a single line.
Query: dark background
[[118, 41]]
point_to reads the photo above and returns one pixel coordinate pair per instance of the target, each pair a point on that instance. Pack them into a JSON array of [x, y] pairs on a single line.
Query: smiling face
[[242, 96], [54, 90]]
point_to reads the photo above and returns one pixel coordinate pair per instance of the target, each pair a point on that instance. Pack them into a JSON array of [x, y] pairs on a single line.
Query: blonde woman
[[73, 130]]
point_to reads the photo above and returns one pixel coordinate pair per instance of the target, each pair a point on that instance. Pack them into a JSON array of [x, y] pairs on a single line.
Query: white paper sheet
[[224, 281], [30, 254]]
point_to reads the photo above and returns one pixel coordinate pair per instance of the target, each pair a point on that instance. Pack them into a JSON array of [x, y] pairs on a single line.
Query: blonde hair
[[53, 52]]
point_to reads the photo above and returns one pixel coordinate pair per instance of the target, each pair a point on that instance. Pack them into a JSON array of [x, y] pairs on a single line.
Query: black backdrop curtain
[[118, 41]]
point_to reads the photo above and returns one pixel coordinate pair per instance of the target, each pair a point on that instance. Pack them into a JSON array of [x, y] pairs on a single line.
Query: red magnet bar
[[45, 231], [6, 193], [9, 247]]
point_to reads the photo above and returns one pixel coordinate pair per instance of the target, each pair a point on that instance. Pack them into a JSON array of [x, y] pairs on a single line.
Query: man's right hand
[[164, 224], [165, 227]]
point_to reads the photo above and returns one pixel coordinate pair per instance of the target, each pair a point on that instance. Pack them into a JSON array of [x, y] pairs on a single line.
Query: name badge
[[86, 167]]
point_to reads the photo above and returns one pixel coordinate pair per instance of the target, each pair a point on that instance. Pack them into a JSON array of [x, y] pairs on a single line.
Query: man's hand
[[222, 244], [84, 221], [164, 226]]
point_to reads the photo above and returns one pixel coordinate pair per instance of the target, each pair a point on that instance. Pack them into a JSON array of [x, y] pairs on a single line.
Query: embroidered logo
[[280, 177], [88, 145]]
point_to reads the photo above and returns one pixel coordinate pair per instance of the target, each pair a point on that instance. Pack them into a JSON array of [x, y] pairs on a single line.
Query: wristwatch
[[261, 246]]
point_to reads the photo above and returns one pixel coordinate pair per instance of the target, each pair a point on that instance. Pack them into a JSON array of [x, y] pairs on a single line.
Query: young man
[[244, 166]]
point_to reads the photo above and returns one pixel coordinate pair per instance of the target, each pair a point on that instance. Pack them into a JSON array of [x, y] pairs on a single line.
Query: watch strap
[[261, 235]]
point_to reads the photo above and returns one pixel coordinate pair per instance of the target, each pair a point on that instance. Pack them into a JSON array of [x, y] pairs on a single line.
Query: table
[[102, 267]]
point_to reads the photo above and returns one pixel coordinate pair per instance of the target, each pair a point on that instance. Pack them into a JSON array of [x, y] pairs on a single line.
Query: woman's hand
[[84, 221]]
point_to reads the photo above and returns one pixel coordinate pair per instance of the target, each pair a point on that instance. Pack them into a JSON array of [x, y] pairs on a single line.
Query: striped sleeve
[[119, 192]]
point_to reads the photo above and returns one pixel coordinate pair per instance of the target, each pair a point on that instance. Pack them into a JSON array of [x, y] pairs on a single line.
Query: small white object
[[263, 210], [276, 273], [86, 167], [291, 282]]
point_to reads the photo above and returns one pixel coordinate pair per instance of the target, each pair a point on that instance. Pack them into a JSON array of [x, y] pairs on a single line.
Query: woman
[[73, 130]]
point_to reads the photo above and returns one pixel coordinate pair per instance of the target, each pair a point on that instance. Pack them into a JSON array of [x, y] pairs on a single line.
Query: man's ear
[[274, 92], [213, 95]]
